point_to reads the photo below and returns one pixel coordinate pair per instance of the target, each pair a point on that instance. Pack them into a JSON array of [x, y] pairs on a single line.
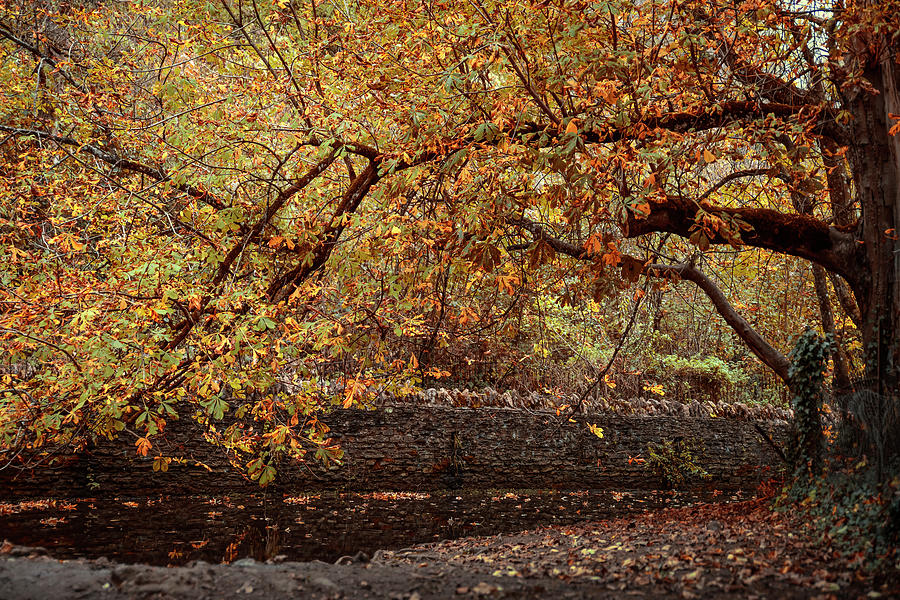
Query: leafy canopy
[[202, 203]]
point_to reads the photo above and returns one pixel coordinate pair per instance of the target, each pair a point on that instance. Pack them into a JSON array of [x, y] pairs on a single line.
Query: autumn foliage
[[205, 204]]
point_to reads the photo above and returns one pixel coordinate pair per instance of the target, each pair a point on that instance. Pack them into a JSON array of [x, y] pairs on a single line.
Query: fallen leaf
[[483, 589]]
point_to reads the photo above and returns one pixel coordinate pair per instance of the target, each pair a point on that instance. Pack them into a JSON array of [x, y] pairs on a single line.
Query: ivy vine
[[807, 377]]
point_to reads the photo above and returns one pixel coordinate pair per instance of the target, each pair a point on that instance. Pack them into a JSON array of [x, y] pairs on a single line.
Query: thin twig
[[618, 348], [43, 341]]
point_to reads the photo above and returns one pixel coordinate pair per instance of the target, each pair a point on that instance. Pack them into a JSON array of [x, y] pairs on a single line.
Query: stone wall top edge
[[543, 413]]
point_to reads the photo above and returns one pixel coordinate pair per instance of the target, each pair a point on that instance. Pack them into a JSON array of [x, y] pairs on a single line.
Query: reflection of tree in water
[[263, 540], [176, 531]]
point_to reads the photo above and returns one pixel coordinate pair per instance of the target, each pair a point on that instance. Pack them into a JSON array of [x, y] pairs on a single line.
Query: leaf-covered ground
[[740, 550], [729, 550]]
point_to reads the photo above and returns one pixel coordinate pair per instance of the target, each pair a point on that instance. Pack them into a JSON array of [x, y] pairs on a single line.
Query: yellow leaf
[[693, 574], [655, 389]]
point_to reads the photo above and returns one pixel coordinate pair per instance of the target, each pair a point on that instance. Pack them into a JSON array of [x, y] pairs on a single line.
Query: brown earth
[[738, 550]]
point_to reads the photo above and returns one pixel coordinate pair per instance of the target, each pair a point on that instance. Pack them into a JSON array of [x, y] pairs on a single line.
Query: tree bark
[[798, 235], [875, 160]]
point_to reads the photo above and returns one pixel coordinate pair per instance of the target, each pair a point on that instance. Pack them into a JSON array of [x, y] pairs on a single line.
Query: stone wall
[[430, 448]]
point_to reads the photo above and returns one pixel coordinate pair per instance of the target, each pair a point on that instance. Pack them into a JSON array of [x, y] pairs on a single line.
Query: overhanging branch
[[283, 286], [111, 158], [540, 234], [803, 236], [702, 119], [757, 344]]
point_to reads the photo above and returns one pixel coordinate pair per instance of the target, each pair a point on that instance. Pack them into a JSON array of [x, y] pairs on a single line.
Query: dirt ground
[[739, 550]]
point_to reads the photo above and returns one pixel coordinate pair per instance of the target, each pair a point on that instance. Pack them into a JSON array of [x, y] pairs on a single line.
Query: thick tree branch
[[703, 118], [769, 86], [276, 205], [283, 286], [798, 235], [540, 234], [757, 344]]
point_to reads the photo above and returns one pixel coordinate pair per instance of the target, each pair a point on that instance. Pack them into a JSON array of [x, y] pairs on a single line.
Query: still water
[[321, 526]]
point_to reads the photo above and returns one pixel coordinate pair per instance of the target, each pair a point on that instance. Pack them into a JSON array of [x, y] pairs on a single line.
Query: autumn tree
[[198, 198]]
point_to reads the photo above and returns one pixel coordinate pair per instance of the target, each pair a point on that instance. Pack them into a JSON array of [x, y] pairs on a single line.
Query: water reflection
[[322, 526]]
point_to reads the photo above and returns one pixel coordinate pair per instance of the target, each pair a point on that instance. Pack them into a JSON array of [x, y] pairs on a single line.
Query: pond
[[302, 527]]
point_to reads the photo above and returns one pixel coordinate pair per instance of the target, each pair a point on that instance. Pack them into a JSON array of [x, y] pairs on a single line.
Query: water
[[322, 526]]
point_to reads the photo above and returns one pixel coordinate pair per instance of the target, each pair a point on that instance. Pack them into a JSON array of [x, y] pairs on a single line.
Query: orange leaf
[[143, 446]]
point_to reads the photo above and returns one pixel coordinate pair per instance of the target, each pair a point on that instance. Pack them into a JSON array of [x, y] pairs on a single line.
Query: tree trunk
[[841, 380], [875, 158]]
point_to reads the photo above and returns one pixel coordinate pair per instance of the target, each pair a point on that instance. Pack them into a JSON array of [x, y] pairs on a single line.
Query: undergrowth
[[852, 502], [676, 461], [853, 514]]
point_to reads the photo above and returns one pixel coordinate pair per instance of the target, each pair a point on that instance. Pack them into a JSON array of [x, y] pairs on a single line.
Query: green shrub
[[676, 461]]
